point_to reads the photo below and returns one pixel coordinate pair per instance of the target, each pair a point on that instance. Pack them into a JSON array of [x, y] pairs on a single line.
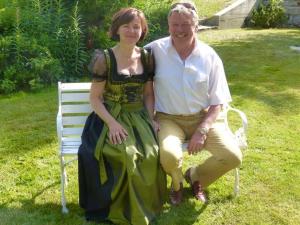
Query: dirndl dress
[[122, 183]]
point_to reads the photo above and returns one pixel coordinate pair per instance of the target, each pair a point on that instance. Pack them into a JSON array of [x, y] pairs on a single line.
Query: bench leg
[[63, 184], [236, 182]]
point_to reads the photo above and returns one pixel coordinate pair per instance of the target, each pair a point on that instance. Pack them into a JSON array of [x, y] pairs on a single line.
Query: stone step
[[203, 27], [293, 10], [291, 3]]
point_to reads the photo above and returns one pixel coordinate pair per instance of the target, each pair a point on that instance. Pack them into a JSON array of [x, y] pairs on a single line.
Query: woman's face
[[131, 32], [181, 27]]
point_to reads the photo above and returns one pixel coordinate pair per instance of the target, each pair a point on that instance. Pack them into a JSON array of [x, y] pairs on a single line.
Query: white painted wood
[[71, 144], [82, 108], [73, 120], [66, 140], [72, 87], [72, 131], [70, 151], [75, 97]]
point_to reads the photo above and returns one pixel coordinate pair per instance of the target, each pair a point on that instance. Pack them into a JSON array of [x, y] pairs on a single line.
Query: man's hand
[[196, 144]]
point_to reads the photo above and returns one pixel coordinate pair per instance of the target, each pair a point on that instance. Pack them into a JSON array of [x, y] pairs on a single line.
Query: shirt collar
[[197, 48], [169, 45]]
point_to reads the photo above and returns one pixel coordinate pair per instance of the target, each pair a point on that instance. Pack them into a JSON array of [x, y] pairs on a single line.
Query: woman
[[120, 178]]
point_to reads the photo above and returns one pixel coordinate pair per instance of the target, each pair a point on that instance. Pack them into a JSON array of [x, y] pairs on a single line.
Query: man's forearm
[[210, 117]]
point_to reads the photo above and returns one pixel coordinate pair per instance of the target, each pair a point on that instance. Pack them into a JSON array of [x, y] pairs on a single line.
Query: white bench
[[73, 109]]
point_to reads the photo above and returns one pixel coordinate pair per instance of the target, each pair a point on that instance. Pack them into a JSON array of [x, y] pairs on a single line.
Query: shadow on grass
[[39, 213], [187, 213], [30, 212]]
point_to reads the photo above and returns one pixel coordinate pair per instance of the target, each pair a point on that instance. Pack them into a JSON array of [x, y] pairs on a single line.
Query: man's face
[[181, 27]]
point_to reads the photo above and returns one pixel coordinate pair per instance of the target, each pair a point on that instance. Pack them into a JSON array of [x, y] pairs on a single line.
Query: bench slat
[[75, 87], [72, 131], [66, 140], [75, 97], [73, 120], [71, 144], [70, 151], [82, 108]]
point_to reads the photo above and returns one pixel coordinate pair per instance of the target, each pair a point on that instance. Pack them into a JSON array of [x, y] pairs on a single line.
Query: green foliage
[[27, 61], [269, 14], [7, 19], [71, 47], [46, 44], [7, 86], [156, 12]]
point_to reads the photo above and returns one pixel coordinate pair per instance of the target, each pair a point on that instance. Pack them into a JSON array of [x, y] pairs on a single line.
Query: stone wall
[[293, 12], [233, 16]]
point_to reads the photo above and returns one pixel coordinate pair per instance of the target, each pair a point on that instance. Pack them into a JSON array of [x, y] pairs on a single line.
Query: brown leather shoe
[[176, 196], [197, 189]]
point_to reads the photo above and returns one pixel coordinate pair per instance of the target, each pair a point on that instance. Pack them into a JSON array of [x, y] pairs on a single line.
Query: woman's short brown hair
[[124, 16]]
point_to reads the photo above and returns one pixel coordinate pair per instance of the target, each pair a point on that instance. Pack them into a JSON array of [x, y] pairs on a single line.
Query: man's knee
[[234, 158], [170, 156]]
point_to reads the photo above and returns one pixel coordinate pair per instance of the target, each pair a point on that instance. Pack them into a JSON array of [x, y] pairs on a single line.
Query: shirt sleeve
[[218, 89], [98, 66]]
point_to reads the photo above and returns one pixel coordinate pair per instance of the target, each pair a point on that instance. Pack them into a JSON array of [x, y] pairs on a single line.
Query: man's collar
[[196, 50], [169, 44]]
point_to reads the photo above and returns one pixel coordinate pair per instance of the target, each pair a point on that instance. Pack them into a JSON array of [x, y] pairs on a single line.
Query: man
[[190, 89]]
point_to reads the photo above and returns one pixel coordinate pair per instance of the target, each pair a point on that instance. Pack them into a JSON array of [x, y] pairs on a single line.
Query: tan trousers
[[175, 130]]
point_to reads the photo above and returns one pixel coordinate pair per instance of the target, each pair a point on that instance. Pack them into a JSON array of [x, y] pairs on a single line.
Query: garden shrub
[[45, 45], [269, 14], [26, 61], [7, 19]]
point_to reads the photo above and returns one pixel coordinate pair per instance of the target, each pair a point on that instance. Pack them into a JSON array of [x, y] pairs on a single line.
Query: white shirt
[[187, 87]]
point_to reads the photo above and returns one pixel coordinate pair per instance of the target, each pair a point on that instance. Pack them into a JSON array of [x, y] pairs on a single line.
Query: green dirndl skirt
[[121, 183]]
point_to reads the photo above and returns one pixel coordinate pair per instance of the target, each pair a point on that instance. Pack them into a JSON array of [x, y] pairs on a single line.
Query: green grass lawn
[[207, 8], [264, 78]]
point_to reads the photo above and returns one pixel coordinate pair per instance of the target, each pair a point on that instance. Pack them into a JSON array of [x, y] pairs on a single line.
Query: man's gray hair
[[185, 7]]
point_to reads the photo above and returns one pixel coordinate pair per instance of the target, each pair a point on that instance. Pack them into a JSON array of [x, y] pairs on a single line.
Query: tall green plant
[[72, 47], [47, 44]]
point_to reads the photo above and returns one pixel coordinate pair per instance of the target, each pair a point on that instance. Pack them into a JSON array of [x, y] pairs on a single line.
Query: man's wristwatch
[[203, 130]]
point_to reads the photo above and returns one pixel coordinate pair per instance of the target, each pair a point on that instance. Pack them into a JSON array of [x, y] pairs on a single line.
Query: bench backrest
[[73, 109]]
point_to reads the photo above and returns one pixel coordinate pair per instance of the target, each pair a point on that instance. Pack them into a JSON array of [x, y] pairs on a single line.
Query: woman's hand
[[155, 125], [117, 134]]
